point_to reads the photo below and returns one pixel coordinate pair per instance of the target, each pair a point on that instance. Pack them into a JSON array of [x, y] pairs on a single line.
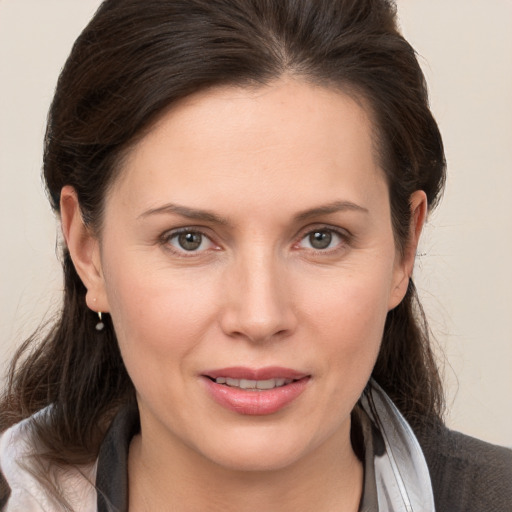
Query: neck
[[329, 478]]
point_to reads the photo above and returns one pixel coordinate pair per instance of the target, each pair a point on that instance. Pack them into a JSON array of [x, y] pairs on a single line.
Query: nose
[[259, 304]]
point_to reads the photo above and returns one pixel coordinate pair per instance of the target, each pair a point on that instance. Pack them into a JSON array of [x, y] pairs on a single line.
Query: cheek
[[352, 301], [159, 322], [349, 316], [345, 321], [359, 326], [158, 313]]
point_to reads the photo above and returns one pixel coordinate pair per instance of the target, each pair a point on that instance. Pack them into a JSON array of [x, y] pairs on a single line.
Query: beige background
[[464, 272]]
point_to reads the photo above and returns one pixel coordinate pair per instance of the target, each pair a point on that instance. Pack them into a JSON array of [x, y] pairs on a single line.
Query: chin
[[258, 453], [268, 460]]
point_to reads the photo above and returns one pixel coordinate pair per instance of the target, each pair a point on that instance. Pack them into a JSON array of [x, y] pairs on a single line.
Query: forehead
[[288, 138]]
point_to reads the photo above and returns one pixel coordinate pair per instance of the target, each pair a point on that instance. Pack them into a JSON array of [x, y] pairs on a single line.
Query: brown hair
[[134, 60]]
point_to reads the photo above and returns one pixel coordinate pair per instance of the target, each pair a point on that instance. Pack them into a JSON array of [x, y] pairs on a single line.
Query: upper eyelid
[[185, 229], [171, 233], [343, 232]]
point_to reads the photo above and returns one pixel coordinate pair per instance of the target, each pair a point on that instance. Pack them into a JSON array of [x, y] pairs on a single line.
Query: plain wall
[[463, 271]]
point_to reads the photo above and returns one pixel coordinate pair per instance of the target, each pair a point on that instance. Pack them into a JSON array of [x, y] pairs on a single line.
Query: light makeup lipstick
[[255, 391]]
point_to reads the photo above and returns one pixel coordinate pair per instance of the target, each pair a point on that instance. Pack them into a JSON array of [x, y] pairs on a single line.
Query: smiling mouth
[[255, 392], [253, 385]]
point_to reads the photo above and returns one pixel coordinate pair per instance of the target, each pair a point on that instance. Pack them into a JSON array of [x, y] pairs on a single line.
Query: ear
[[84, 249], [404, 263]]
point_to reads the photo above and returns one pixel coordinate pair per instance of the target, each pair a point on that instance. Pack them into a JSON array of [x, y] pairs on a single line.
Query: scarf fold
[[401, 472]]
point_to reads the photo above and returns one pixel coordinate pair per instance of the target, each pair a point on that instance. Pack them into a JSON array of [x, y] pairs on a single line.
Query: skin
[[256, 293]]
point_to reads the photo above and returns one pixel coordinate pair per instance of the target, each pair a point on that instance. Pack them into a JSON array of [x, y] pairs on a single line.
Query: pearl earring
[[100, 325]]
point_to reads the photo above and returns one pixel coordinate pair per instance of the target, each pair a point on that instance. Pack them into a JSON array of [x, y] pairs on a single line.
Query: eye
[[322, 240], [188, 240]]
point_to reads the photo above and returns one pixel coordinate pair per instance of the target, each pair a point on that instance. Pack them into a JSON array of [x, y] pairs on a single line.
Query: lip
[[255, 403], [269, 372]]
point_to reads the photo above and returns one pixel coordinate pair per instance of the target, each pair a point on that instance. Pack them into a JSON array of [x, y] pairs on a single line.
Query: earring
[[100, 325]]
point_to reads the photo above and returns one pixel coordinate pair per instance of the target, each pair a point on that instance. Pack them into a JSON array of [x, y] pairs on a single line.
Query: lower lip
[[255, 403]]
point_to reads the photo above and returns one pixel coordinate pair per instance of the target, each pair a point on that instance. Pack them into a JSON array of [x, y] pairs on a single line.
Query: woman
[[241, 185]]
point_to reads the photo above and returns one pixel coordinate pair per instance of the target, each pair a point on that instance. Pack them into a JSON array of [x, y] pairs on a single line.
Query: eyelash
[[166, 238], [344, 236], [345, 239]]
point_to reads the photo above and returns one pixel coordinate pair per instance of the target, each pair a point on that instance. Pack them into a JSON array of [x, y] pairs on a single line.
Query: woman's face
[[248, 243]]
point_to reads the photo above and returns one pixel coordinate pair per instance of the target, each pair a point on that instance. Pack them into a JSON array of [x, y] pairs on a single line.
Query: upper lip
[[269, 372]]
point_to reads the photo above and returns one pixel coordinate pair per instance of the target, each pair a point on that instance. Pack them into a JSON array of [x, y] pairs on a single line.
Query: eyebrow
[[336, 206], [208, 216], [184, 211]]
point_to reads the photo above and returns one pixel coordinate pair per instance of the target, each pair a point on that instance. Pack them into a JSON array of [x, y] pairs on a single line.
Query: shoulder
[[467, 474], [26, 483]]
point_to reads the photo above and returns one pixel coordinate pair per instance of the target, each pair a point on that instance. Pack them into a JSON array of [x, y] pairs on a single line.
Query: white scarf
[[401, 473]]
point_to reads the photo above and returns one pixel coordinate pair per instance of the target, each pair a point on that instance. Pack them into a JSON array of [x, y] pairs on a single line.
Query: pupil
[[190, 241], [320, 239]]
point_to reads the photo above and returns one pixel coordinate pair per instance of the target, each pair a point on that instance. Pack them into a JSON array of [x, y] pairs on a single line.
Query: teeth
[[247, 384], [257, 385], [267, 384]]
